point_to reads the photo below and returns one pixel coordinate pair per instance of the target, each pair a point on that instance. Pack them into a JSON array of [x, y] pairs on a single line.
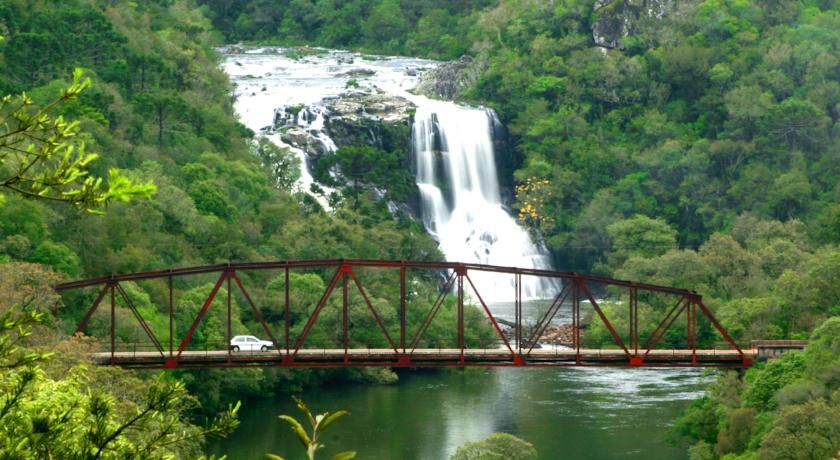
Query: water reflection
[[566, 413]]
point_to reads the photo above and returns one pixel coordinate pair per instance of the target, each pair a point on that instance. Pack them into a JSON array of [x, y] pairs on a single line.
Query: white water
[[462, 205], [459, 187]]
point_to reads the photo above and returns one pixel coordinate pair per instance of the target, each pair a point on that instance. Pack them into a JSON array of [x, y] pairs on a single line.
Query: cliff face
[[616, 19], [450, 79]]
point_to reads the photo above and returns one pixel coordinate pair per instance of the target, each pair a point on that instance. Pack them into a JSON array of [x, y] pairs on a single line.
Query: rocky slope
[[617, 19]]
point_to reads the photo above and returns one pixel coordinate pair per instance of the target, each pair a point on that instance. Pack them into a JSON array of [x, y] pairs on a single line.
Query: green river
[[573, 413]]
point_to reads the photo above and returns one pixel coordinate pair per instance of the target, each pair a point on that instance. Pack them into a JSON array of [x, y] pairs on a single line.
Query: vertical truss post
[[692, 315], [113, 322], [228, 321], [287, 318], [636, 321], [402, 307], [461, 271], [345, 323], [517, 306], [634, 326], [576, 317], [171, 317]]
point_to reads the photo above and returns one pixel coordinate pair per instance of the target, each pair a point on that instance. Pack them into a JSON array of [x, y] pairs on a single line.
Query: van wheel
[[234, 348]]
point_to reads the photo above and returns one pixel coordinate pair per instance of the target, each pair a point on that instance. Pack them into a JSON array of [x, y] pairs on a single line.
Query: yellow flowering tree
[[531, 197]]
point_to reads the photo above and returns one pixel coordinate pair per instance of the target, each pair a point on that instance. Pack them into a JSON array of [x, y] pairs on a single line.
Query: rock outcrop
[[360, 117], [617, 19], [450, 79], [352, 118]]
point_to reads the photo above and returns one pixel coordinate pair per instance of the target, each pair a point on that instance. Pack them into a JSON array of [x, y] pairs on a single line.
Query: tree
[[39, 157], [319, 423], [763, 383], [41, 417], [532, 211], [804, 431], [497, 446], [285, 166], [640, 236], [386, 24], [736, 434], [162, 105]]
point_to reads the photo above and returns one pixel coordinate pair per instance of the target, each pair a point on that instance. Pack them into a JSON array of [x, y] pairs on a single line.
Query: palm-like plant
[[319, 423]]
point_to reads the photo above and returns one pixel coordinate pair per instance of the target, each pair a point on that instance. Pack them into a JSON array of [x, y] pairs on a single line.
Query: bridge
[[402, 320]]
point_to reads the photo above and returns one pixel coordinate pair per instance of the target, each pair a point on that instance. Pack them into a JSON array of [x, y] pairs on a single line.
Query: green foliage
[[786, 408], [368, 165], [764, 383], [58, 256], [496, 446], [431, 28], [39, 158], [640, 236], [804, 431], [318, 424], [284, 165], [74, 416]]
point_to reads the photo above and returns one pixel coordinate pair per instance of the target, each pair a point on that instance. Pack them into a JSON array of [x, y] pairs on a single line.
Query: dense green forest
[[431, 28], [703, 152]]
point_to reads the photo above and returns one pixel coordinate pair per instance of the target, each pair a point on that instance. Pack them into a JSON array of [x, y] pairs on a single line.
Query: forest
[[702, 150]]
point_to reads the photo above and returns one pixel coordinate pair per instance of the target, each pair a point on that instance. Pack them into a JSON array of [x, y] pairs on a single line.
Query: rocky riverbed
[[558, 334]]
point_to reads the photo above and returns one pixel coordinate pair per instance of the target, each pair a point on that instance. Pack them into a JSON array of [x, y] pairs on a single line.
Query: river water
[[576, 413]]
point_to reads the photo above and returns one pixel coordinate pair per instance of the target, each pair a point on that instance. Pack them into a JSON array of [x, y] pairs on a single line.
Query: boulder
[[304, 140], [358, 73]]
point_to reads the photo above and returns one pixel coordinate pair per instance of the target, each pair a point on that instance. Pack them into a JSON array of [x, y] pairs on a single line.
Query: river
[[577, 413]]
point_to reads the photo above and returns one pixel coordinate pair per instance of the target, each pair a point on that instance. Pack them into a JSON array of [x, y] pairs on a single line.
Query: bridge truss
[[405, 346]]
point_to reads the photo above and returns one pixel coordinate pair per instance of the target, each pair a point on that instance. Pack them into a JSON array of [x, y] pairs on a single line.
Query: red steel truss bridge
[[402, 322]]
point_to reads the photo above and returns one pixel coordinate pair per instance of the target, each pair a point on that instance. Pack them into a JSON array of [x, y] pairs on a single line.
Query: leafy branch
[[319, 423], [40, 157]]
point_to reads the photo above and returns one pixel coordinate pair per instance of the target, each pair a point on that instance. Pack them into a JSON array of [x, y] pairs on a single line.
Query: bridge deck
[[426, 357]]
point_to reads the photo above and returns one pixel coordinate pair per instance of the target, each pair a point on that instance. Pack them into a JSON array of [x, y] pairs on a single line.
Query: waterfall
[[461, 203], [452, 145]]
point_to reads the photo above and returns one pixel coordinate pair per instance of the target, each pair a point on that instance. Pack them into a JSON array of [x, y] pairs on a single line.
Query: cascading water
[[462, 205], [452, 145]]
